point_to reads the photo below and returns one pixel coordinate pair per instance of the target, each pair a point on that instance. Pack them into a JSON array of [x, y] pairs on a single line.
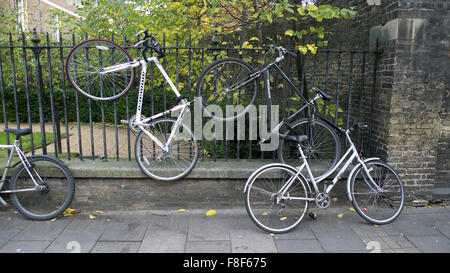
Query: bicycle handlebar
[[283, 51], [153, 44]]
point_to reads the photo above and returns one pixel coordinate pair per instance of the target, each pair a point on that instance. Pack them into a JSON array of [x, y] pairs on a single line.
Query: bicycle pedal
[[4, 207], [313, 215], [123, 121]]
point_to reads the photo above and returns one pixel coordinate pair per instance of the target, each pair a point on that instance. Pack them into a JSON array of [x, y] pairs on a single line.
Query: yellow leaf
[[289, 32], [303, 49], [91, 216], [375, 225], [301, 10], [210, 213], [340, 215], [181, 210], [319, 18], [442, 204], [54, 219], [283, 218], [430, 207], [311, 7], [265, 213], [351, 209], [312, 48], [99, 211], [254, 39], [272, 234]]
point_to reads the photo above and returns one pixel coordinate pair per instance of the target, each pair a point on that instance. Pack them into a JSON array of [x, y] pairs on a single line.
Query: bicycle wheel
[[52, 199], [377, 207], [85, 63], [267, 207], [169, 165], [220, 84], [322, 148]]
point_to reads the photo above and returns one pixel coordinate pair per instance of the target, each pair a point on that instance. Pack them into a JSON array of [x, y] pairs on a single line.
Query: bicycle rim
[[169, 165], [86, 61], [377, 207], [218, 86], [322, 148], [261, 199], [50, 202]]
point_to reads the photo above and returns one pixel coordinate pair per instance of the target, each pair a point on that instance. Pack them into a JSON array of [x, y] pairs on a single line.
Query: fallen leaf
[[430, 207], [265, 213], [54, 219], [283, 218], [181, 210], [210, 213], [442, 204], [99, 211], [375, 225], [91, 216], [340, 215], [351, 209], [272, 234], [70, 212]]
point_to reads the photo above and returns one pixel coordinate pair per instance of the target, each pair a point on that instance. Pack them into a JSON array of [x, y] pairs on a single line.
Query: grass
[[26, 141]]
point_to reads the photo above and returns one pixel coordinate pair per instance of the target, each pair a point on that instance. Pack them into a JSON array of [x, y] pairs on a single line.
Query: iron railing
[[35, 93]]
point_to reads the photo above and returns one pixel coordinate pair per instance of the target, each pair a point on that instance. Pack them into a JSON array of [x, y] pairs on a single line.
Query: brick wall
[[410, 120]]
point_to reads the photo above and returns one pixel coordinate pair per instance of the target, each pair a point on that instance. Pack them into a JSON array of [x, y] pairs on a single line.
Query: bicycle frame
[[143, 124], [15, 148], [350, 155]]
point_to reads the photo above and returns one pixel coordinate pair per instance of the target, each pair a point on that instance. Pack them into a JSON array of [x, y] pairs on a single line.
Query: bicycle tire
[[204, 86], [266, 218], [83, 70], [154, 167], [289, 154], [57, 196], [378, 216]]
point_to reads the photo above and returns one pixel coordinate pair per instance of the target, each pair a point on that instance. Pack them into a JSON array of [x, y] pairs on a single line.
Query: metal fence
[[36, 94]]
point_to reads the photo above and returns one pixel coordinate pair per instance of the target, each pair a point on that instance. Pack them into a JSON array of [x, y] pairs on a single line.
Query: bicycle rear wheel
[[85, 62], [170, 165], [56, 193], [377, 207], [267, 207], [220, 84]]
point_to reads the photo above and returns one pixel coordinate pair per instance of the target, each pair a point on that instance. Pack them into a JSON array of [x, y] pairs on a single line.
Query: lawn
[[26, 141]]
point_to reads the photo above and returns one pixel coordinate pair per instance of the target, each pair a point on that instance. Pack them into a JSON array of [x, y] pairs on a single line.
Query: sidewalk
[[228, 231]]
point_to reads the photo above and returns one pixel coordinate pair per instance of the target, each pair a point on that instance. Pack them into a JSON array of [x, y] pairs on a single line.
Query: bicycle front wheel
[[85, 65], [322, 148], [377, 206], [266, 204], [55, 193], [225, 83], [174, 163]]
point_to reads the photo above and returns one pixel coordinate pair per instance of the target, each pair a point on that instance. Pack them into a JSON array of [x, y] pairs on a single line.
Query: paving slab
[[298, 246], [116, 247], [208, 228], [249, 241], [208, 247]]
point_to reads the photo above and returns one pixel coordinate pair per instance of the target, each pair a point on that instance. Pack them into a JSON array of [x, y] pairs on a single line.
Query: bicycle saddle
[[18, 132], [324, 95], [299, 138]]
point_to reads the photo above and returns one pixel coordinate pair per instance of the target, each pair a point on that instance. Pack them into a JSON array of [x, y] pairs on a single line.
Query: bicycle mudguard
[[270, 165], [350, 175]]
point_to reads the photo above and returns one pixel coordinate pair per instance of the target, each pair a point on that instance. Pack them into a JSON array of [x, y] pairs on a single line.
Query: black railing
[[35, 93]]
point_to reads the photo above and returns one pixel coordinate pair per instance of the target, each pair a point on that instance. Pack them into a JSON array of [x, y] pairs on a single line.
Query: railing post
[[215, 43], [37, 51]]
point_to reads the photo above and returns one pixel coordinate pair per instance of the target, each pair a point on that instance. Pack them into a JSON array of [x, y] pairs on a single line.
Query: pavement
[[336, 230]]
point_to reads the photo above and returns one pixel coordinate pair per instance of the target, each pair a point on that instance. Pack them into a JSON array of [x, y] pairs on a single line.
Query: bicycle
[[102, 70], [233, 81], [276, 196], [42, 187]]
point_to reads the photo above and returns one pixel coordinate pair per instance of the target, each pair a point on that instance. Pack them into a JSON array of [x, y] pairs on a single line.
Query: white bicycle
[[102, 70], [277, 195]]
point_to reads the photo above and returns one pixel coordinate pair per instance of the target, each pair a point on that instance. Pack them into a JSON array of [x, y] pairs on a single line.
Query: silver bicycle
[[277, 195], [41, 188], [102, 70]]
